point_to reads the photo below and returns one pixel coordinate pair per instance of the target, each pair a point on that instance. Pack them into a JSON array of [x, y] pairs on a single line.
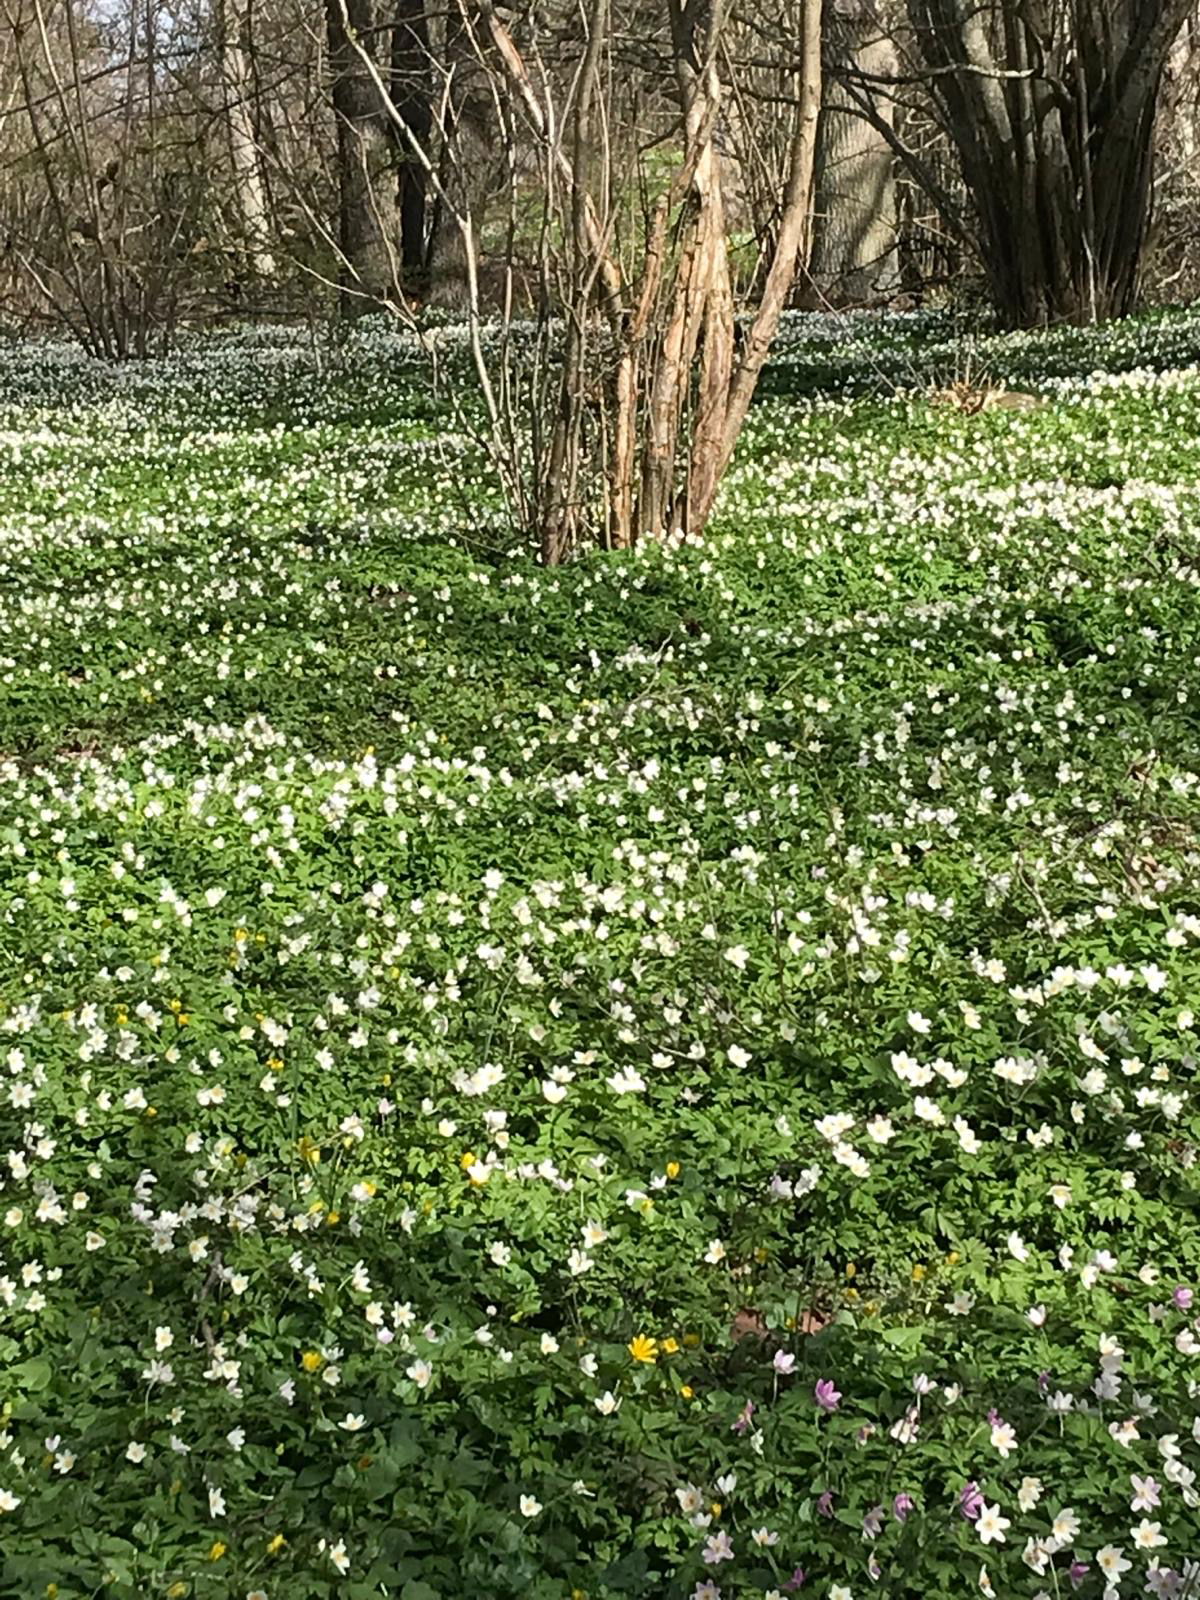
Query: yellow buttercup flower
[[467, 1159], [672, 1169], [312, 1360], [670, 1346], [918, 1273], [687, 1391], [216, 1550], [276, 1544], [643, 1349]]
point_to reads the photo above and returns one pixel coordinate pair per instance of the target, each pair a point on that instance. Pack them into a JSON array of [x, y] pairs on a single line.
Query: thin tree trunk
[[791, 252], [412, 88]]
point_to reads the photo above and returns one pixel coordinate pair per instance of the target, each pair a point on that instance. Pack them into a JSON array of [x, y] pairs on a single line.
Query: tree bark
[[854, 255], [411, 92], [250, 196], [368, 188], [1052, 117], [465, 159]]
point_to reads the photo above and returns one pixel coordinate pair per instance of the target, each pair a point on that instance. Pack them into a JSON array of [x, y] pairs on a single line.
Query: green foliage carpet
[[669, 1077]]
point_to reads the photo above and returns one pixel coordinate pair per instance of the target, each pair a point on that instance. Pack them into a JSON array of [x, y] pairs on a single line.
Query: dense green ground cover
[[668, 1077]]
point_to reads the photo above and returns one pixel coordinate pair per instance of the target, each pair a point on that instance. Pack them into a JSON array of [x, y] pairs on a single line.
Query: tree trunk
[[250, 195], [1053, 126], [368, 188], [465, 159], [854, 256], [411, 91]]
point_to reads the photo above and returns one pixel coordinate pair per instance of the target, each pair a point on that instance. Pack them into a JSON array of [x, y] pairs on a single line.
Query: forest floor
[[670, 1076]]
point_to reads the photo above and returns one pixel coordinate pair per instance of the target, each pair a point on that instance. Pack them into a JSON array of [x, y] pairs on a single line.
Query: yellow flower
[[687, 1391], [691, 1340], [953, 1258], [715, 1508], [312, 1360], [216, 1550], [176, 1589], [672, 1169], [851, 1294], [918, 1273], [670, 1346], [276, 1545], [332, 1220], [467, 1159], [51, 1591], [643, 1349], [762, 1255], [851, 1270]]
